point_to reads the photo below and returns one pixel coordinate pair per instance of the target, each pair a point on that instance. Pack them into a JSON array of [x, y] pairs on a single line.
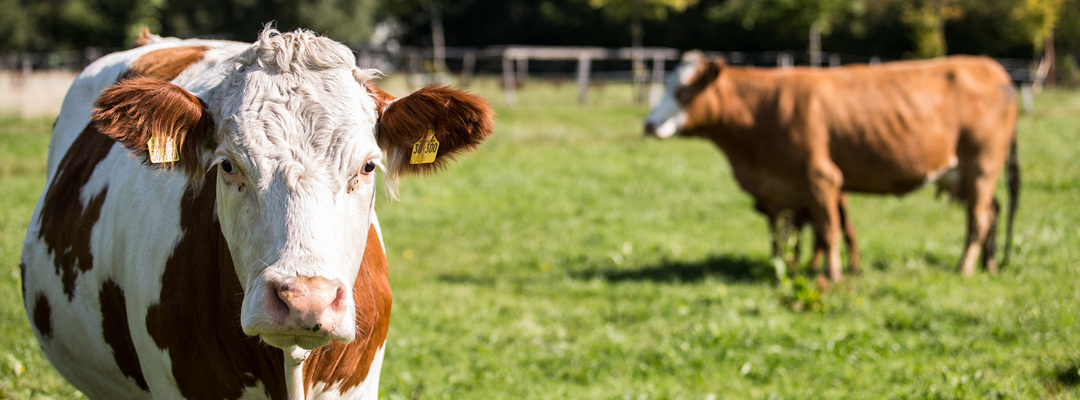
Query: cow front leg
[[825, 182]]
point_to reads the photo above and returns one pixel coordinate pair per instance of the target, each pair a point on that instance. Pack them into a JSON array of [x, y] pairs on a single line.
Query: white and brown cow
[[208, 229], [796, 138]]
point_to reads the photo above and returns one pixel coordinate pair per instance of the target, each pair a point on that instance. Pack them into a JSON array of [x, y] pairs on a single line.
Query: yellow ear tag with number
[[425, 149], [162, 149]]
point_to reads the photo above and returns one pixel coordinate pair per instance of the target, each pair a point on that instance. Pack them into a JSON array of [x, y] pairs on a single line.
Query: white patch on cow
[[668, 117], [257, 392], [369, 389]]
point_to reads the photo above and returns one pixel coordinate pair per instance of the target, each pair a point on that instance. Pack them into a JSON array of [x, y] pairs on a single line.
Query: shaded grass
[[569, 258]]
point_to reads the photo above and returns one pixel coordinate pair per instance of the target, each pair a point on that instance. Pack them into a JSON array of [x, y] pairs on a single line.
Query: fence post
[[468, 64], [656, 89], [584, 63], [522, 69], [784, 60], [508, 80], [834, 60]]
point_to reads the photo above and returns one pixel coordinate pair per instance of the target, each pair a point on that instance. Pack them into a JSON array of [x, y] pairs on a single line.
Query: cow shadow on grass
[[724, 266]]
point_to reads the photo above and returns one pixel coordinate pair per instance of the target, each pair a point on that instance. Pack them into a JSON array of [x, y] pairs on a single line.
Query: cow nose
[[650, 128], [313, 303]]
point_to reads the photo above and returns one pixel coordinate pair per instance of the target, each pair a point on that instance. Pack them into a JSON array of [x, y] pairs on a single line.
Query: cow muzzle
[[306, 311]]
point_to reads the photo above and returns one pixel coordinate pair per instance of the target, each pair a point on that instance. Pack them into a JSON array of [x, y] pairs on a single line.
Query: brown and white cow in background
[[208, 229], [796, 138]]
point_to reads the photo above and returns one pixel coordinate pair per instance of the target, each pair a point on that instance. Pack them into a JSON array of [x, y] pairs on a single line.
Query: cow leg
[[825, 182], [989, 252], [979, 196], [849, 234], [819, 247], [774, 229]]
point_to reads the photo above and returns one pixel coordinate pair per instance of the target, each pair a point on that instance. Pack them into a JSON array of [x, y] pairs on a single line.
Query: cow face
[[289, 135], [682, 88]]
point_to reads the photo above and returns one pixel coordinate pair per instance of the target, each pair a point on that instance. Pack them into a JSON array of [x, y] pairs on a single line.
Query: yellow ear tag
[[162, 149], [425, 149]]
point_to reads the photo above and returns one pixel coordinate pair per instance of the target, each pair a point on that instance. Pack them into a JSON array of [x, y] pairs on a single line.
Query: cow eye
[[227, 167], [369, 167]]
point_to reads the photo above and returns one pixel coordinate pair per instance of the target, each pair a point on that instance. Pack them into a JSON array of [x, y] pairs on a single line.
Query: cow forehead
[[296, 99], [300, 125]]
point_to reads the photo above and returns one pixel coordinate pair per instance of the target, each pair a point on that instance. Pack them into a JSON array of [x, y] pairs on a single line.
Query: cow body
[[796, 137], [188, 278]]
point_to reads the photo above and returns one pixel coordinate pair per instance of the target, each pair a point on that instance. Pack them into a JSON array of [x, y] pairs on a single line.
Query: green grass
[[569, 258]]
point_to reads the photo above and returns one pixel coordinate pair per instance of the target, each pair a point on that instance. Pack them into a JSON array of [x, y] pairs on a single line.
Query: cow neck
[[348, 365], [737, 98], [197, 320]]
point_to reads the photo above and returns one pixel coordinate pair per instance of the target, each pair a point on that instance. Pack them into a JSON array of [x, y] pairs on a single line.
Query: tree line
[[891, 29]]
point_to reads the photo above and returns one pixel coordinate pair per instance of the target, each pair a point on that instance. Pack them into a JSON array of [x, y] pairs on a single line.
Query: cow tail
[[1012, 177]]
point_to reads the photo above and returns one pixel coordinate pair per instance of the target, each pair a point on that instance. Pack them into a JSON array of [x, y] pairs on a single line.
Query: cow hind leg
[[981, 216], [989, 252], [849, 234]]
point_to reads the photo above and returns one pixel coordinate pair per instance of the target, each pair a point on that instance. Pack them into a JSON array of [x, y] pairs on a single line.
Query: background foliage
[[887, 28]]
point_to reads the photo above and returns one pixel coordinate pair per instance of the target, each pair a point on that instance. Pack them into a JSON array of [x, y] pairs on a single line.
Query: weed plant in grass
[[569, 258]]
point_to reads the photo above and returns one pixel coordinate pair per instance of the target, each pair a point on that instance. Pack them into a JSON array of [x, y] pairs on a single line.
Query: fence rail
[[515, 64]]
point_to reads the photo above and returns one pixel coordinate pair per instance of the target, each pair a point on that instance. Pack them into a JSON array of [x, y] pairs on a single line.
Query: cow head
[[293, 136], [692, 76]]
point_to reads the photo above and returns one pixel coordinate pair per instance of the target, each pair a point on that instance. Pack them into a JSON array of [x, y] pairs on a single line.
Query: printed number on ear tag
[[424, 151], [162, 149]]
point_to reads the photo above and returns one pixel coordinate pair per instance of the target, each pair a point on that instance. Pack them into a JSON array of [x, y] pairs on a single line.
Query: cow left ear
[[457, 120], [164, 125]]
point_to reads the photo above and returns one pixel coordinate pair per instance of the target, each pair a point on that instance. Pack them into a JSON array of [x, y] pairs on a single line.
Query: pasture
[[570, 258]]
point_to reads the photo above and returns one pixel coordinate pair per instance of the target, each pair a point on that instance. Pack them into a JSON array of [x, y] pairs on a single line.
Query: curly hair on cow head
[[295, 51]]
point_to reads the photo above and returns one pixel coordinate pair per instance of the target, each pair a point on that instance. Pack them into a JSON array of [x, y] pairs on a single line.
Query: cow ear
[[459, 121], [711, 70], [164, 125]]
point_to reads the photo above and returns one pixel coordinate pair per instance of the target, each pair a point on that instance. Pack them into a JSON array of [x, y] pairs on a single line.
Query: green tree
[[818, 17], [1038, 18], [926, 19], [636, 11], [15, 27]]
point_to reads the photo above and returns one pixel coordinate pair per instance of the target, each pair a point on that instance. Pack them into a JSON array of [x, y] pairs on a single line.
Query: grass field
[[569, 258]]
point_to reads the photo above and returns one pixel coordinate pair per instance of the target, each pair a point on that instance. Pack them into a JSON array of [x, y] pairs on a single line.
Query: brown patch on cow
[[65, 223], [138, 109], [164, 64], [460, 122], [197, 318], [117, 333], [43, 315], [349, 364]]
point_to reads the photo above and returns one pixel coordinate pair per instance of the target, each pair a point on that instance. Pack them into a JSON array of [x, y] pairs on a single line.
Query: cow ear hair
[[458, 120], [137, 110], [712, 70]]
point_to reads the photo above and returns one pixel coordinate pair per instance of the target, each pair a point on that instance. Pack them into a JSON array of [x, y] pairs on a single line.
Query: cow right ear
[[425, 130], [164, 125], [710, 70]]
